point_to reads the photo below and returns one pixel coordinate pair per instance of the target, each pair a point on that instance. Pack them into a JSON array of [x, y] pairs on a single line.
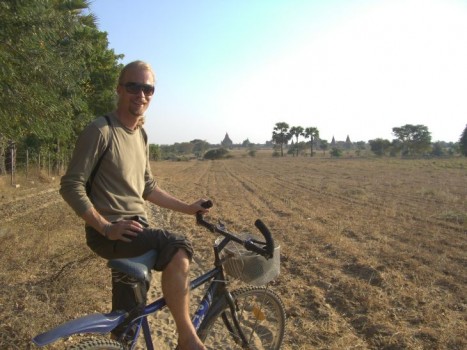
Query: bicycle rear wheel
[[261, 315], [98, 344]]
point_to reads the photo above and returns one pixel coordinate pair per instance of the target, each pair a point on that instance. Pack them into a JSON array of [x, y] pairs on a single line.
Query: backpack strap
[[145, 136], [98, 164]]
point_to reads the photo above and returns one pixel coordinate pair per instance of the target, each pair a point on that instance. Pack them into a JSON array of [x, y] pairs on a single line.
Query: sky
[[354, 68]]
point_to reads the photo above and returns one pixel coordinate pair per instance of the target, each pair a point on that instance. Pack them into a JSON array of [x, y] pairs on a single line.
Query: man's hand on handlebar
[[199, 207]]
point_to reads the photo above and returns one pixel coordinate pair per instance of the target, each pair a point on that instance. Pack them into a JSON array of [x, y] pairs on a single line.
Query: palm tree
[[296, 131], [280, 135], [313, 134]]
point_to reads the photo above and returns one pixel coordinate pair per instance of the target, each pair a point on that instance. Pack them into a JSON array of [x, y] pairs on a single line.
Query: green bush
[[217, 153], [336, 152]]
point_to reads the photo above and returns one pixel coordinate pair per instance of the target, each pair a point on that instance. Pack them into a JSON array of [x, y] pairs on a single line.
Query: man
[[113, 206]]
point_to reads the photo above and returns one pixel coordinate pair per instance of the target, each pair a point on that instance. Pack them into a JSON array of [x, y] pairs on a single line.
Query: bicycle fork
[[237, 333]]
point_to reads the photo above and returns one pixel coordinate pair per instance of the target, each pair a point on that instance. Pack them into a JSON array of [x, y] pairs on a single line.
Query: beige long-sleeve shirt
[[124, 177]]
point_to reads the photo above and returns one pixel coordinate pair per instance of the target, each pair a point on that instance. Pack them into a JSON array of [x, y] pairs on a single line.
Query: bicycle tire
[[261, 315], [98, 344]]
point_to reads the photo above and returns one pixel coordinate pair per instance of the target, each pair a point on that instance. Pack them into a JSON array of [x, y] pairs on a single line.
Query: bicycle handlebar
[[267, 251], [267, 236]]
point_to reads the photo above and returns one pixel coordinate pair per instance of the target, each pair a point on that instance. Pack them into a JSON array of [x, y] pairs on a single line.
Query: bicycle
[[251, 317]]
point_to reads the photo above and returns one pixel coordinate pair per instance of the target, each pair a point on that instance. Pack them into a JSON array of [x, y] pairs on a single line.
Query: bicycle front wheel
[[261, 317], [98, 344]]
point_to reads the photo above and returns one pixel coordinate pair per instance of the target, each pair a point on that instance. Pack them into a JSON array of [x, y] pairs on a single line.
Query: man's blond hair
[[136, 65]]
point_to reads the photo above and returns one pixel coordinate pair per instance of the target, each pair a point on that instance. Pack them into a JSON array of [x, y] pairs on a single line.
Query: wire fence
[[30, 163]]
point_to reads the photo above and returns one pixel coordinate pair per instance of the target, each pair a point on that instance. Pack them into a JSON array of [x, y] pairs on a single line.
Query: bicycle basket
[[247, 266]]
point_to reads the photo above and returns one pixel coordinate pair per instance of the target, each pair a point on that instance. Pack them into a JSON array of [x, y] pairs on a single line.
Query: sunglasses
[[136, 88]]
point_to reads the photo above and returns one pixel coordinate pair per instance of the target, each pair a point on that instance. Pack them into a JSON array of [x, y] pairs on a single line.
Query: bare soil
[[373, 250]]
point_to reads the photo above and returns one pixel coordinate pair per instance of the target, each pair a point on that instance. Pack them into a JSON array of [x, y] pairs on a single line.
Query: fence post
[[13, 165], [27, 163]]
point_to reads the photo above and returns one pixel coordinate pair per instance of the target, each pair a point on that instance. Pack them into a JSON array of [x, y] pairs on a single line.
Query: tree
[[155, 152], [281, 136], [185, 148], [361, 146], [56, 71], [463, 142], [323, 145], [200, 146], [379, 146], [313, 134], [415, 139], [246, 143], [437, 149], [296, 131], [395, 148], [297, 148]]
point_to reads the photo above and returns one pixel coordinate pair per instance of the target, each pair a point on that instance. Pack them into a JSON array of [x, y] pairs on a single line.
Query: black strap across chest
[[98, 164]]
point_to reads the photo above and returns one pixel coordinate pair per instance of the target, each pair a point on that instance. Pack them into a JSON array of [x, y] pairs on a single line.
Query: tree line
[[410, 140], [57, 73], [282, 134]]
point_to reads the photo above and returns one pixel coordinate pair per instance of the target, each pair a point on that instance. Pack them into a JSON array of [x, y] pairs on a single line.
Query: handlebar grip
[[208, 204], [199, 216], [267, 235]]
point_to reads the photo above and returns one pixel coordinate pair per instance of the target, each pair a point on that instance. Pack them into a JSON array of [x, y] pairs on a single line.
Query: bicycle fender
[[95, 323]]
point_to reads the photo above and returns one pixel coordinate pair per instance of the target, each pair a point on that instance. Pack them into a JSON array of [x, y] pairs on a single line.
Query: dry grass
[[373, 251]]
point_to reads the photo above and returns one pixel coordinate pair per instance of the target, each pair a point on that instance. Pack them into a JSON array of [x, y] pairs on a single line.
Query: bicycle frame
[[104, 323]]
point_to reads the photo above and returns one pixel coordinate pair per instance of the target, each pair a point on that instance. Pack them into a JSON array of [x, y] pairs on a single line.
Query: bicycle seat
[[138, 267]]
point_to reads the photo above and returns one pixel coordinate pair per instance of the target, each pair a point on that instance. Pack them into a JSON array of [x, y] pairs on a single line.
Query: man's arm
[[89, 145], [166, 200], [120, 229], [96, 221]]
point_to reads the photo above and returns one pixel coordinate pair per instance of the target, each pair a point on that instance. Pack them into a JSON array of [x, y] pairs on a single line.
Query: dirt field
[[373, 251]]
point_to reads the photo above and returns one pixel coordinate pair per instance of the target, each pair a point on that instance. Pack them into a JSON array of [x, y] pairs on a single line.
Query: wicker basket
[[250, 267]]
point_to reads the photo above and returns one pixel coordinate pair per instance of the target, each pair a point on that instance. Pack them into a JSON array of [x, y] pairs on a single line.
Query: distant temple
[[227, 142]]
